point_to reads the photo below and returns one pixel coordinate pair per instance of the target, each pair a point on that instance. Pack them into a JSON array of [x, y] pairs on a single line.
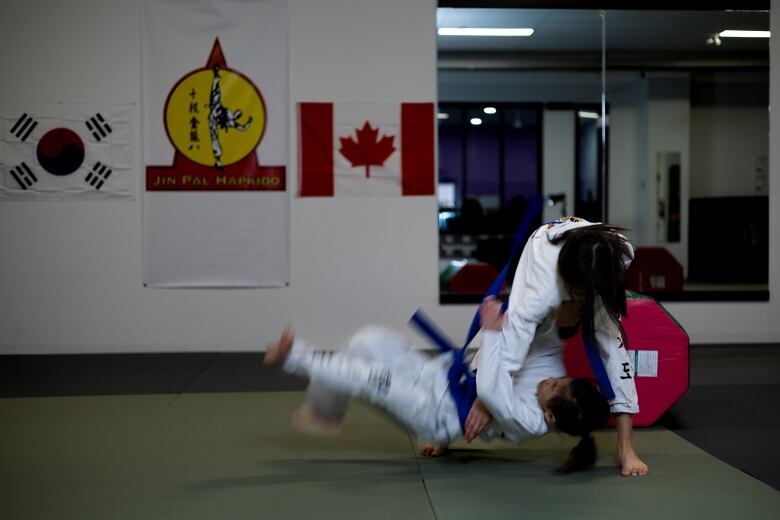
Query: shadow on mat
[[510, 463], [365, 476], [480, 456], [358, 473]]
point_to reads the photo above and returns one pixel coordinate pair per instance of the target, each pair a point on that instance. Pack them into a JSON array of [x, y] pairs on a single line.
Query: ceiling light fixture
[[476, 121], [743, 34], [484, 31], [588, 115], [489, 110]]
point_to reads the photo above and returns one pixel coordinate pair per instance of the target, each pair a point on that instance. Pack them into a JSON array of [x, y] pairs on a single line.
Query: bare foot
[[431, 449], [277, 352], [306, 421], [632, 466]]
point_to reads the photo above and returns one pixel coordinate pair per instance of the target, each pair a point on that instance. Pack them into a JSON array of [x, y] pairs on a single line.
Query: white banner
[[215, 143], [66, 151]]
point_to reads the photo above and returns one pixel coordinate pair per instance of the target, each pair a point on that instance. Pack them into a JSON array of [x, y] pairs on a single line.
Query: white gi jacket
[[511, 397], [536, 291]]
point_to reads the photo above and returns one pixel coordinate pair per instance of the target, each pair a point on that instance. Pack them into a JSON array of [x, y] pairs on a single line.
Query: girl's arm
[[630, 463], [614, 354], [534, 294], [495, 387]]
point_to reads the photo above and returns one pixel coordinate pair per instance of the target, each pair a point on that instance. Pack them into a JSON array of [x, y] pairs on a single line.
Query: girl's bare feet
[[306, 421], [631, 465], [431, 449], [277, 352]]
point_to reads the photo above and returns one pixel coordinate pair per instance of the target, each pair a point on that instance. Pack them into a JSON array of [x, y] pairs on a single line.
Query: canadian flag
[[366, 149]]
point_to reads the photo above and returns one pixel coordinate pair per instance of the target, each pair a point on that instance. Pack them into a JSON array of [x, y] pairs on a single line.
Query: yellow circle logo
[[215, 117]]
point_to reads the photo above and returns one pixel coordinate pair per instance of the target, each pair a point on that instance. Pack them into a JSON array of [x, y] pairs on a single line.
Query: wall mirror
[[652, 119]]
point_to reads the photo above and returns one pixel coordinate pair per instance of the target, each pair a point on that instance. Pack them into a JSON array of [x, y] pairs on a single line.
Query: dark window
[[590, 177], [490, 165]]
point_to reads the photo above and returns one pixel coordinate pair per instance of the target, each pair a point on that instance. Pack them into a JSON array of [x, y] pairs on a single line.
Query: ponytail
[[578, 414], [582, 456]]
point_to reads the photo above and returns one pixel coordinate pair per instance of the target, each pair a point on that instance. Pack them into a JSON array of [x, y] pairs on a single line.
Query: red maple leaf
[[368, 150]]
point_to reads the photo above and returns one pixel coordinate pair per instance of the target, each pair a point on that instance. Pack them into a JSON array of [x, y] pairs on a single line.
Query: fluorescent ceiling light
[[588, 115], [476, 121], [743, 34], [489, 110], [475, 31], [443, 115]]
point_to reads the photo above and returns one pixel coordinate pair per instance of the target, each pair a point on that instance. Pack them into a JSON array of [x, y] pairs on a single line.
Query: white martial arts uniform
[[537, 290], [383, 368]]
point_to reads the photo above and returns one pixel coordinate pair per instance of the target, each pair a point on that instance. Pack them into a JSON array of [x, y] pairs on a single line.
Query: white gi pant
[[381, 367]]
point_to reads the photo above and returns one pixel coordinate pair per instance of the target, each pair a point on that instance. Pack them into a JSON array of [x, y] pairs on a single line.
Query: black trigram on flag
[[98, 126], [23, 176], [65, 151], [24, 127], [99, 175]]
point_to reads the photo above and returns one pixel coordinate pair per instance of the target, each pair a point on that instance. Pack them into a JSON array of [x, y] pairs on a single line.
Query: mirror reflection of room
[[605, 117]]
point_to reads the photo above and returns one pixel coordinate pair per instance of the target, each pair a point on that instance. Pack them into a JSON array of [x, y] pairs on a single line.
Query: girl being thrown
[[382, 368]]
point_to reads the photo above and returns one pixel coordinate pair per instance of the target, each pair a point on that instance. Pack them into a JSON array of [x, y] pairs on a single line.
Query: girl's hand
[[490, 315], [478, 419]]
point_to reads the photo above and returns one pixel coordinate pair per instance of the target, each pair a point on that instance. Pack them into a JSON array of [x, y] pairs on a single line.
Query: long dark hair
[[585, 409], [591, 261]]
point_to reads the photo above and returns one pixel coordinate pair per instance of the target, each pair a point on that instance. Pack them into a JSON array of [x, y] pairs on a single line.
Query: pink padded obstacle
[[659, 352]]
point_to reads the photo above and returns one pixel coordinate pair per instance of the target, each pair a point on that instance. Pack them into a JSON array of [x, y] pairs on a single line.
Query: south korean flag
[[66, 151]]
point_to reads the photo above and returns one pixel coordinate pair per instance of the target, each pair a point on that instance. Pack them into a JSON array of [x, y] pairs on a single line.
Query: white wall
[[70, 272]]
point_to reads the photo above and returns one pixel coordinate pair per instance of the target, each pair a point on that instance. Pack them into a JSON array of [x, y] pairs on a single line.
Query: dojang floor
[[208, 436]]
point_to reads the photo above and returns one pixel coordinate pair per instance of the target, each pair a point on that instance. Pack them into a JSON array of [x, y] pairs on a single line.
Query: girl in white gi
[[383, 368], [576, 267]]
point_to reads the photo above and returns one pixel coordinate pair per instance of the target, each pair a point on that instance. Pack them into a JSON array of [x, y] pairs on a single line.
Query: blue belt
[[596, 364], [463, 383]]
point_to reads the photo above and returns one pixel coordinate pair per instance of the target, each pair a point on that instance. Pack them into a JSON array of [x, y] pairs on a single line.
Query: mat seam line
[[198, 373], [422, 477], [182, 390]]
